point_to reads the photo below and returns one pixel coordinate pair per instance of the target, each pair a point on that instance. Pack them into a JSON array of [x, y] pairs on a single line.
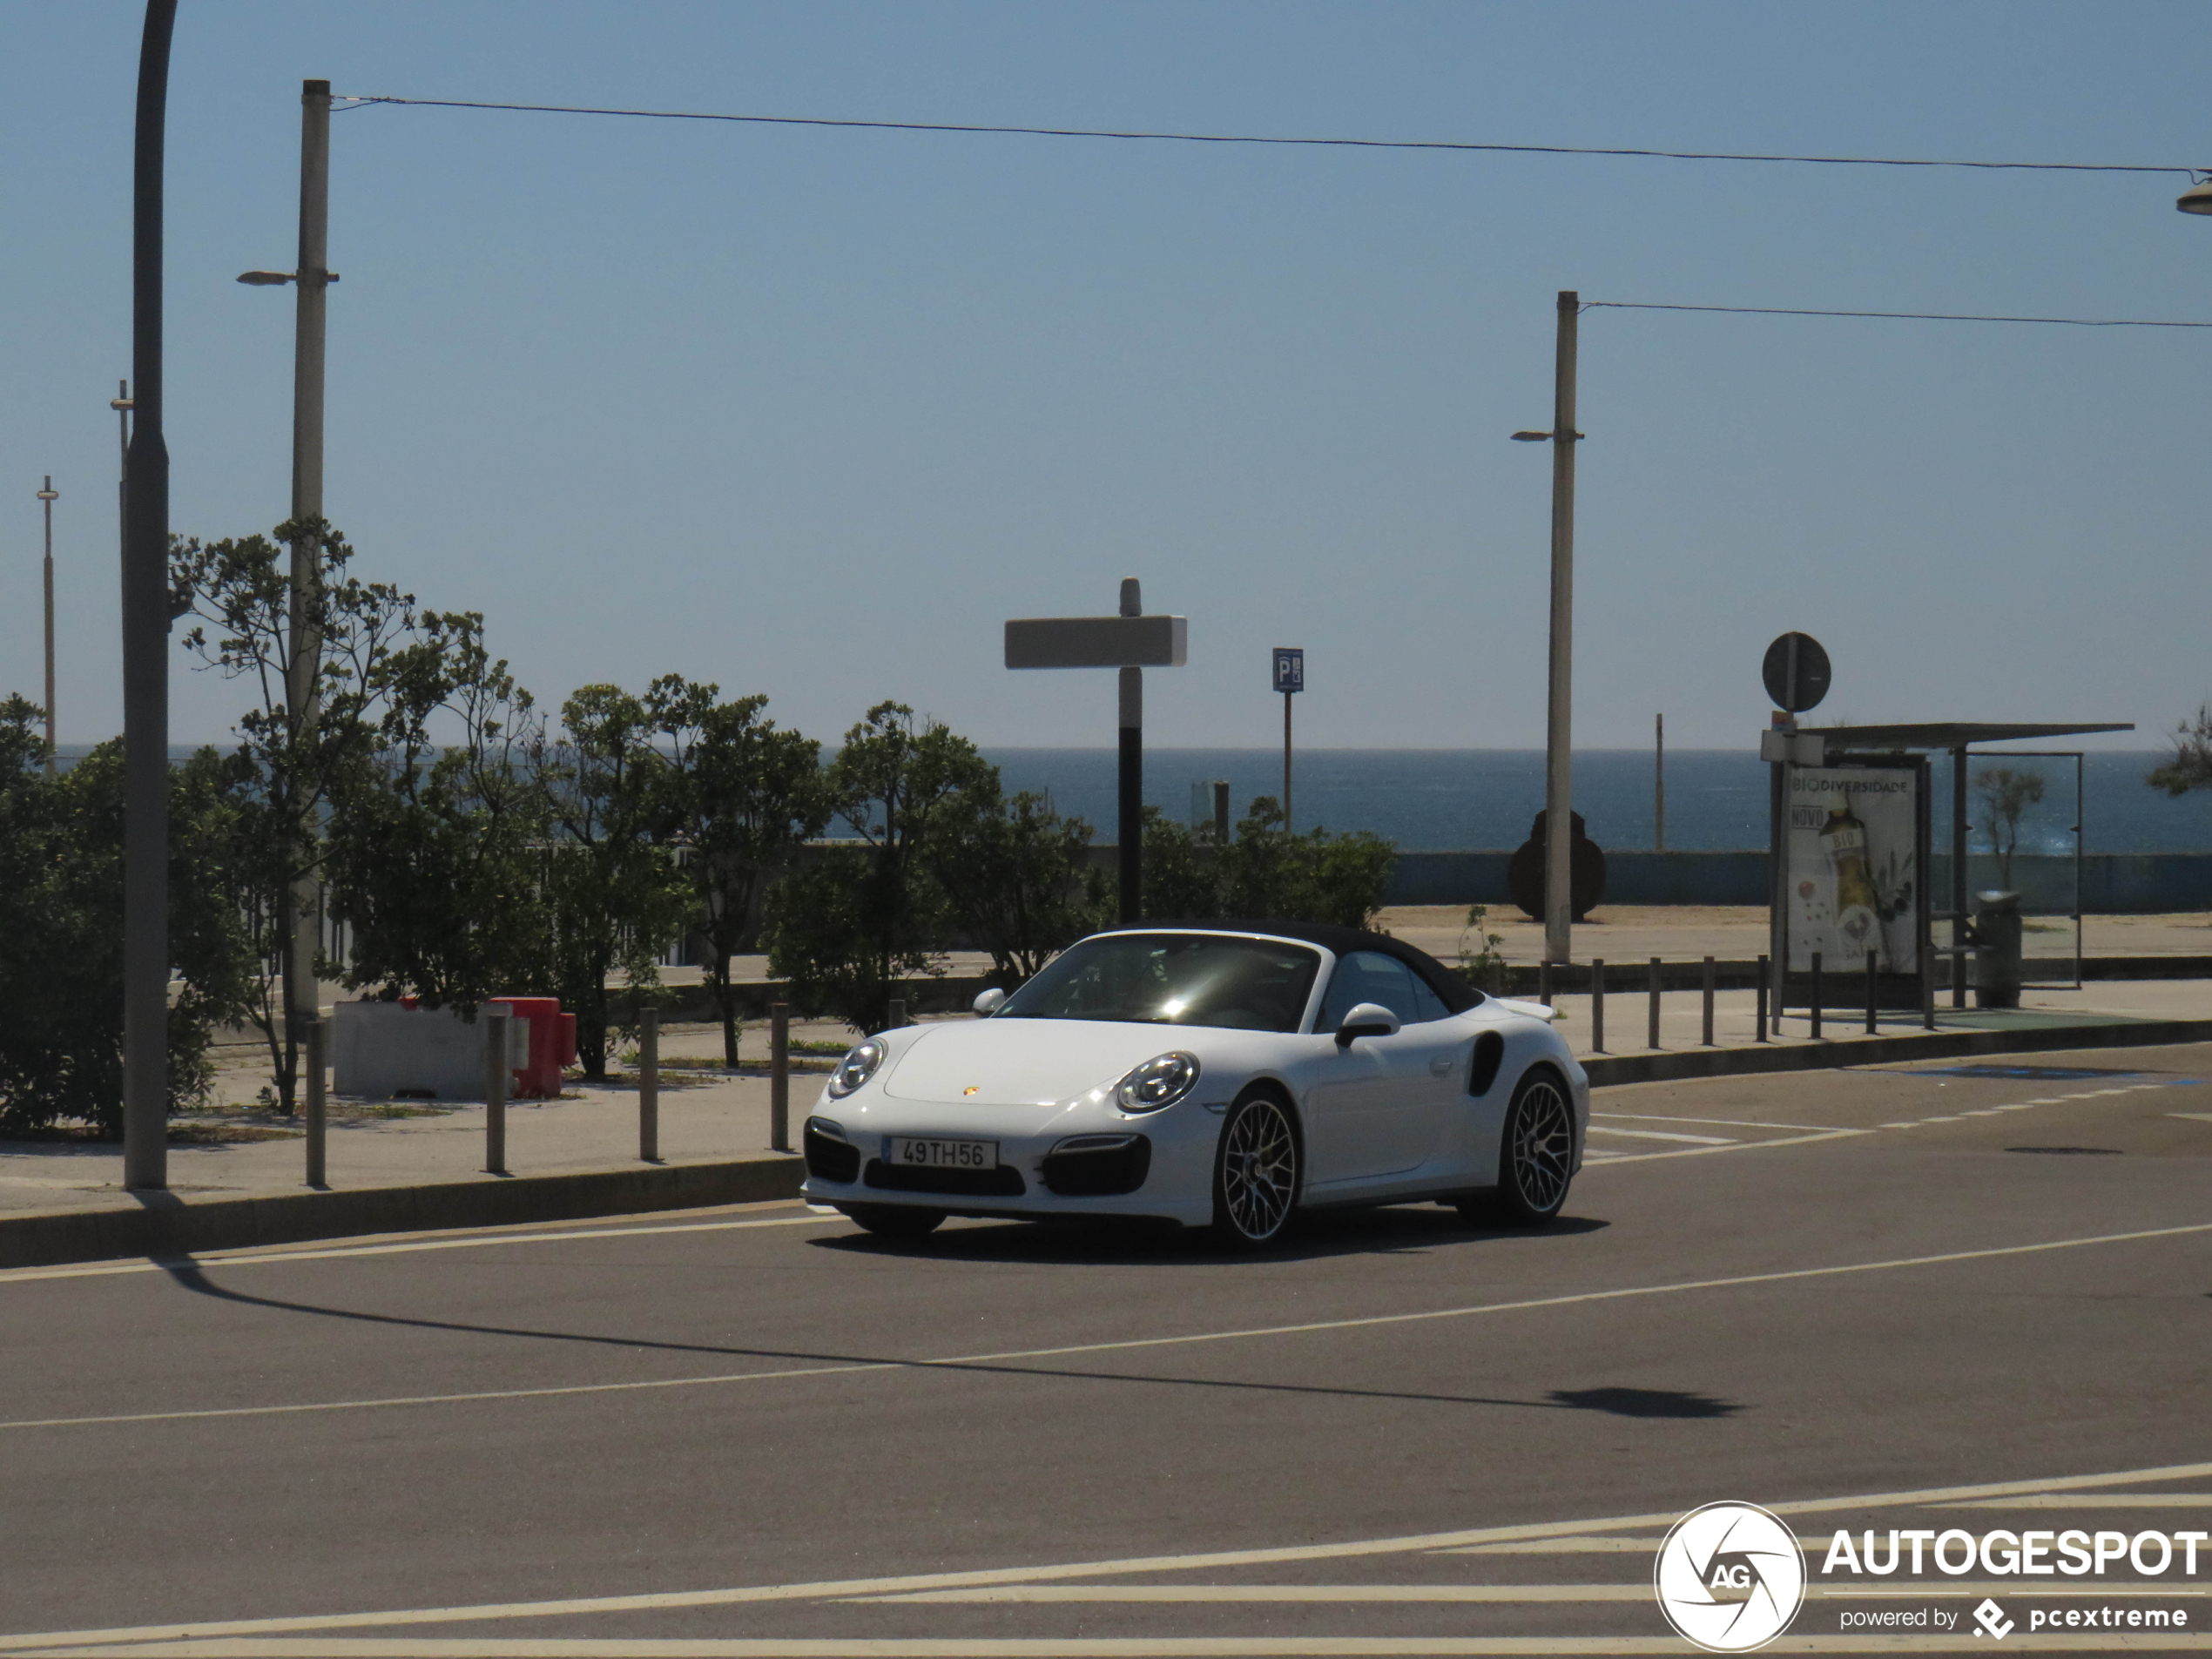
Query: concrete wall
[[2112, 883], [380, 1050]]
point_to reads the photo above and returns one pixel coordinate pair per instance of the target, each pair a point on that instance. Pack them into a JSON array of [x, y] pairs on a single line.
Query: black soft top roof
[[1454, 992]]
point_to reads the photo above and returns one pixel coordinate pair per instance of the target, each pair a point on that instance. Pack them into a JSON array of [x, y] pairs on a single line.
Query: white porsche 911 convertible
[[1225, 1074]]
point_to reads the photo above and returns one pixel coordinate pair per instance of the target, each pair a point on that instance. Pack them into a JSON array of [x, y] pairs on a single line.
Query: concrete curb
[[170, 1226], [1606, 1070]]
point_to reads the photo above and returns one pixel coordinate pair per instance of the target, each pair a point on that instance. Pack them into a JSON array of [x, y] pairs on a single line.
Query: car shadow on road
[[1105, 1242]]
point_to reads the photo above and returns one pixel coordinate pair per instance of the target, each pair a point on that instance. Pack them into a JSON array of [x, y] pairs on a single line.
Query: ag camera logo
[[1730, 1577]]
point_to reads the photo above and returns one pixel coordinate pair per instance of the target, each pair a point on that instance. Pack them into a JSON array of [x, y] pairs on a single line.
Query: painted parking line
[[1012, 1360], [1664, 1135], [267, 1638], [1723, 1122], [1279, 1647]]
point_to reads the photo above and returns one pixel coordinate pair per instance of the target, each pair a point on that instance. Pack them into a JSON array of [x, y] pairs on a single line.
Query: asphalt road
[[1852, 1297]]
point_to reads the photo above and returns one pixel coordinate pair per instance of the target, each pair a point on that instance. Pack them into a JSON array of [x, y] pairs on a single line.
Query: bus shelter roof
[[1952, 734]]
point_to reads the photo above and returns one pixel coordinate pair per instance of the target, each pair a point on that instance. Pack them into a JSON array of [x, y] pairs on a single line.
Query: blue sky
[[810, 412]]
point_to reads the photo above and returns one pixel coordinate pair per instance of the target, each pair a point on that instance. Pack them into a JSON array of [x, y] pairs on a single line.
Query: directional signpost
[[1290, 678], [1131, 642], [1796, 672]]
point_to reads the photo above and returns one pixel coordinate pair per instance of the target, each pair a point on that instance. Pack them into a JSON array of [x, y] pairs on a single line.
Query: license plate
[[944, 1155]]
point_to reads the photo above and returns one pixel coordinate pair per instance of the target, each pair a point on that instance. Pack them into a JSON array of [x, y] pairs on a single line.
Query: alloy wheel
[[1259, 1168], [1543, 1145]]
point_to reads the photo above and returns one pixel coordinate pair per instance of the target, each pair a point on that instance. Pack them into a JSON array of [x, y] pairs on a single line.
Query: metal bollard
[[1872, 961], [1710, 973], [1927, 998], [318, 1034], [493, 1017], [898, 1013], [648, 1085], [1597, 1004], [1816, 996], [1760, 1037], [779, 1077], [1544, 983], [1653, 1034]]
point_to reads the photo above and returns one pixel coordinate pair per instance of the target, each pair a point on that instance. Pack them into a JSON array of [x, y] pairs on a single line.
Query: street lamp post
[[1559, 724], [311, 279], [47, 496], [122, 405], [145, 651]]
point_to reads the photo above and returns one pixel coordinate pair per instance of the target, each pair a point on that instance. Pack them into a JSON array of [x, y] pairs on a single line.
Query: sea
[[1439, 800], [1453, 799]]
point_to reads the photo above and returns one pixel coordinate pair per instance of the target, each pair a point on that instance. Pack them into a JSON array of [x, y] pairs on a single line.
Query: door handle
[[1441, 1066]]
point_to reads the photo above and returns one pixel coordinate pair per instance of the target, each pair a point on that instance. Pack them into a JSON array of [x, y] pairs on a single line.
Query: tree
[[61, 929], [292, 761], [616, 898], [1016, 878], [742, 797], [436, 849], [1265, 873], [2003, 797], [1182, 869], [847, 924], [2191, 765]]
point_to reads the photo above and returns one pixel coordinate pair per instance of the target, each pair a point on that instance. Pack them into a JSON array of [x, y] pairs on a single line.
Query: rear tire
[[1536, 1158], [1257, 1170], [895, 1220]]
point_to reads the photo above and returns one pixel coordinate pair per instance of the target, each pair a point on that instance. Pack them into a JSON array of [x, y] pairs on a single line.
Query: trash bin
[[1997, 950]]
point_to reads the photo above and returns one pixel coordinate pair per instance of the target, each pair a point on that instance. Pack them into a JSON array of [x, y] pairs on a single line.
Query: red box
[[552, 1045]]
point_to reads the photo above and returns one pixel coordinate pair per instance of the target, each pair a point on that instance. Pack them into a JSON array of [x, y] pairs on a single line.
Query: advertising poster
[[1850, 851]]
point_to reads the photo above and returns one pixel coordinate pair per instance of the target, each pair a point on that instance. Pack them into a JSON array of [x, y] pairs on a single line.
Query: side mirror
[[988, 1002], [1366, 1020]]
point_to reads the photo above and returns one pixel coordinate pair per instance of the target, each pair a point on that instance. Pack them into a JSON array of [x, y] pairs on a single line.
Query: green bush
[[61, 930]]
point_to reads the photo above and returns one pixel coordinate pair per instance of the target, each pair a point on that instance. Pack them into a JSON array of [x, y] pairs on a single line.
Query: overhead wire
[[363, 101], [1911, 316]]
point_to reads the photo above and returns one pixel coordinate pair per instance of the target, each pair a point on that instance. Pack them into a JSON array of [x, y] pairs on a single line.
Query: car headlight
[[1161, 1080], [858, 1066]]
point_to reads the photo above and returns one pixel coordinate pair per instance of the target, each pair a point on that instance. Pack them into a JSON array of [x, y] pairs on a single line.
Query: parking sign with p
[[1289, 668]]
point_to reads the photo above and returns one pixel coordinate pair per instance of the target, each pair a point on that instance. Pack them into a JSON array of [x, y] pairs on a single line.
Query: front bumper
[[1080, 1161]]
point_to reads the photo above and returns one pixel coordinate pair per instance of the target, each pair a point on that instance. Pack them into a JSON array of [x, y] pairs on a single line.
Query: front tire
[[1256, 1173], [895, 1220], [1536, 1160]]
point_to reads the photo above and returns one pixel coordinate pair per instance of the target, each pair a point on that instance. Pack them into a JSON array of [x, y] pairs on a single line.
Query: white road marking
[[1280, 1646], [108, 1269], [1739, 1146], [2195, 1117], [1726, 1123], [1666, 1134], [1344, 1594], [183, 1638], [1126, 1344], [2101, 1501], [1353, 1595]]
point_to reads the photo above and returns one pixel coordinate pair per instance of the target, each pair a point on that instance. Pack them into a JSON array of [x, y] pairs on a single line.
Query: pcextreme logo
[[1730, 1577]]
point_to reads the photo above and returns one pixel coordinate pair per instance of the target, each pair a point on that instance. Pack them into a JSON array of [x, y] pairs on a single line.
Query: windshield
[[1173, 979]]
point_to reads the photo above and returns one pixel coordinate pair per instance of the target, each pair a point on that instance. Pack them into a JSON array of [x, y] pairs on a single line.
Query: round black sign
[[1812, 673]]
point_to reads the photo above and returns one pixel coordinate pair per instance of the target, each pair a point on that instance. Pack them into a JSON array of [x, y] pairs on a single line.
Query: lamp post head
[[1532, 437], [2197, 199], [50, 493], [264, 278]]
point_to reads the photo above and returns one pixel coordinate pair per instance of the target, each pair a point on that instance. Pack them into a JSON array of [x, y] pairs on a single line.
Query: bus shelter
[[1861, 878]]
